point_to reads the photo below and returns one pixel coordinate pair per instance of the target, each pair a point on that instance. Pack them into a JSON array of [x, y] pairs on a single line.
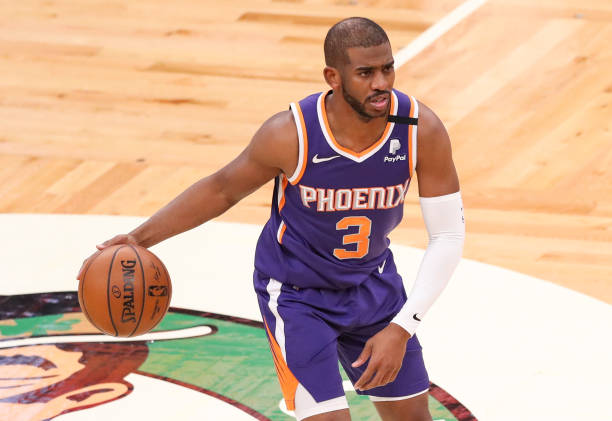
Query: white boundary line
[[190, 332], [436, 31]]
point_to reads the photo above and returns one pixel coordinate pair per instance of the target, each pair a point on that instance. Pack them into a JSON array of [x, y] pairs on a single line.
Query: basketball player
[[325, 278]]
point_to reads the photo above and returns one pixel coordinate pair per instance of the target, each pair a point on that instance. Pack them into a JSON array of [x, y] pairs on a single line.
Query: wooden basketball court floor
[[113, 108]]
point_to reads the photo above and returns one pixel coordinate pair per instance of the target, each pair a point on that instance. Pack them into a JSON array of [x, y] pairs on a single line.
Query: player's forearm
[[201, 202], [444, 221]]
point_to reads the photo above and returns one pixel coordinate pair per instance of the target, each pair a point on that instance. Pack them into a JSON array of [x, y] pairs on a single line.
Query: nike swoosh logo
[[317, 160], [382, 267], [414, 316]]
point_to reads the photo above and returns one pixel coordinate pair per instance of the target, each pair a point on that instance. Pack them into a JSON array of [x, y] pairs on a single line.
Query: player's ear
[[332, 77], [85, 397]]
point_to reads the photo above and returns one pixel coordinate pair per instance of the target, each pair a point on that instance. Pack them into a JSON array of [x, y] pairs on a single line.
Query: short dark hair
[[348, 33]]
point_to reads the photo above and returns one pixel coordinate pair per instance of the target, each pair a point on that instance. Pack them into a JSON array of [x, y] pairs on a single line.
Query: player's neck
[[349, 128]]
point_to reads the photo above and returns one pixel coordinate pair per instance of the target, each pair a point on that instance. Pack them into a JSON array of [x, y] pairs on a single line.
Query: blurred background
[[114, 107]]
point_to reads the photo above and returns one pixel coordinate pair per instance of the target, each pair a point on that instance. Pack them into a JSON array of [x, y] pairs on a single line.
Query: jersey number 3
[[361, 238]]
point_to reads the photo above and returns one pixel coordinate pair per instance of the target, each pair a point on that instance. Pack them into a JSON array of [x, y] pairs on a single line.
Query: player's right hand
[[117, 239]]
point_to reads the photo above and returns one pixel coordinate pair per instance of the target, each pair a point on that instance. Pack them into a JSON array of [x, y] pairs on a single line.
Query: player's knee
[[411, 413], [339, 415], [417, 413], [422, 415], [414, 409]]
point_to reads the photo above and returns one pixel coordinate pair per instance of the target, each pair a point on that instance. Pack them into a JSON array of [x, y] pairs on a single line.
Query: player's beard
[[360, 107]]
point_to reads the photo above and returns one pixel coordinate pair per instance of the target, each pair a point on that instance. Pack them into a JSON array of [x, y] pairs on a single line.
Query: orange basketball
[[125, 290]]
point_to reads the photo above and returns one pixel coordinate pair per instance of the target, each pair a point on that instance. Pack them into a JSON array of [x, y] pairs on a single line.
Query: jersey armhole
[[298, 118], [412, 135]]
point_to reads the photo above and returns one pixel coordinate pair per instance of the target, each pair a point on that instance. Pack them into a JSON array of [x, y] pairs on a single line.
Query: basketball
[[125, 290]]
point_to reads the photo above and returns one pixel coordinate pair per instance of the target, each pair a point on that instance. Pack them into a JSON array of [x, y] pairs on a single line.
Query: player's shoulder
[[278, 138], [433, 142], [430, 127], [428, 120], [282, 126], [278, 128], [275, 144]]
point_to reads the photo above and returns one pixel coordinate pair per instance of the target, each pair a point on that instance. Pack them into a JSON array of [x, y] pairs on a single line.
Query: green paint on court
[[38, 326], [236, 362]]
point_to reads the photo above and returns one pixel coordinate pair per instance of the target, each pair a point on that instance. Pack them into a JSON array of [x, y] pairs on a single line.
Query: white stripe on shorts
[[274, 289], [306, 406], [396, 398]]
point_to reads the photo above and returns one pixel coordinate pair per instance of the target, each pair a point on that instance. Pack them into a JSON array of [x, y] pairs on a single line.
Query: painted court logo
[[53, 362]]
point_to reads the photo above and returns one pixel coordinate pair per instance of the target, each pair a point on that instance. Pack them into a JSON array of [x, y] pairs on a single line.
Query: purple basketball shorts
[[311, 329]]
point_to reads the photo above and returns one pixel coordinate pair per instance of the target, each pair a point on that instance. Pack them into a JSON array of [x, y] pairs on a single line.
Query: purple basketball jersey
[[330, 220]]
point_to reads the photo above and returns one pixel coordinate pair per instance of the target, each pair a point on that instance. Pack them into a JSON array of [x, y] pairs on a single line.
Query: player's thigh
[[305, 351], [411, 409], [412, 379]]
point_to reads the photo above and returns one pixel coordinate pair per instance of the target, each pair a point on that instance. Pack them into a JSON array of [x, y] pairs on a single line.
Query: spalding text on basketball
[[127, 314]]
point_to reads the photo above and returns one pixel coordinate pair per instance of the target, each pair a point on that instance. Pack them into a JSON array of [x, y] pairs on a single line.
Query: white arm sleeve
[[445, 224]]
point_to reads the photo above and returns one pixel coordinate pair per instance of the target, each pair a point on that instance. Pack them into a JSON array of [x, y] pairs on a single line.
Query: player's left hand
[[385, 350]]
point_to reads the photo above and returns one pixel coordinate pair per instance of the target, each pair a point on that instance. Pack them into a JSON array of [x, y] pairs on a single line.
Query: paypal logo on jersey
[[395, 158], [394, 145]]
